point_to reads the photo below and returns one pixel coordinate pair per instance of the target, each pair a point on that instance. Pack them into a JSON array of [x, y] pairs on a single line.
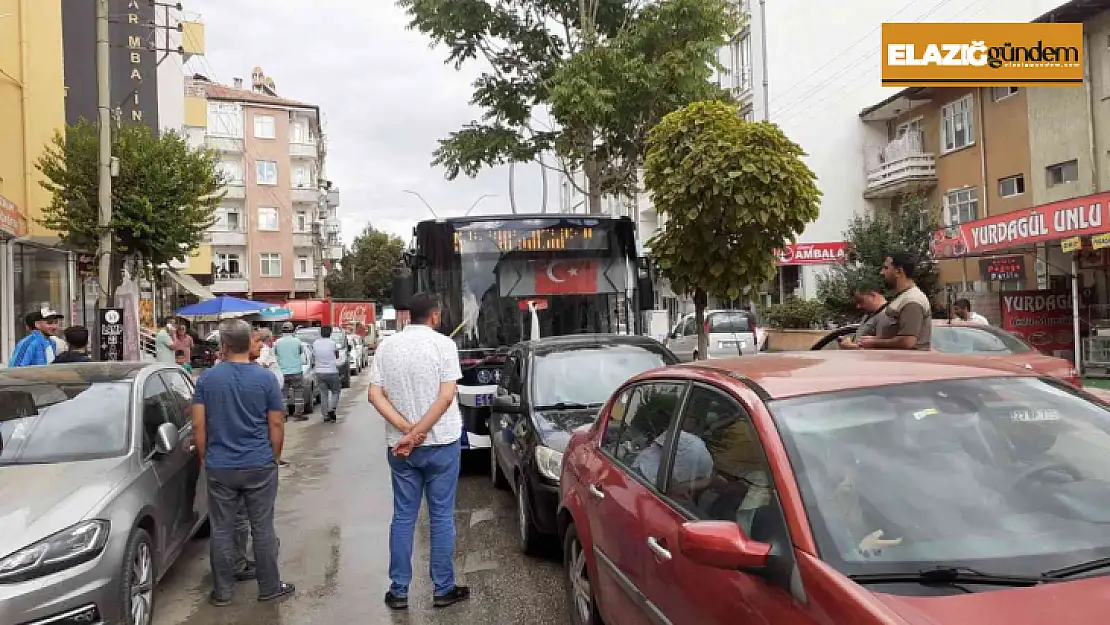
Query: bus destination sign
[[534, 240]]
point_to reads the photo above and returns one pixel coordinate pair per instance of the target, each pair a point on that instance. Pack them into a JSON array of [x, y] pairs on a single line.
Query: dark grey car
[[100, 489]]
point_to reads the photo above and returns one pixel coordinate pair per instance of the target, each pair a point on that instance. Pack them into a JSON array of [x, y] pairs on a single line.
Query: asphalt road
[[333, 513]]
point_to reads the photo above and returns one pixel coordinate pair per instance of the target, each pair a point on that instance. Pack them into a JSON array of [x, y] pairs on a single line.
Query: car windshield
[[957, 339], [1006, 475], [63, 422], [729, 322], [589, 375]]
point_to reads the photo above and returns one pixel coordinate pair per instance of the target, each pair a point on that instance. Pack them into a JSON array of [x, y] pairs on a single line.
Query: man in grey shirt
[[327, 371], [871, 302]]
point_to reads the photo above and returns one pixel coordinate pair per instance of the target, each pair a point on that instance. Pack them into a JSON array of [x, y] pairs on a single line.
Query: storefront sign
[[353, 313], [1002, 268], [111, 334], [11, 222], [813, 253], [1071, 244], [1100, 241], [1042, 318], [1076, 217]]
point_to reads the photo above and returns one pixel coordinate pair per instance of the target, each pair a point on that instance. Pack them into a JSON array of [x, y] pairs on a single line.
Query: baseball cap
[[43, 313], [287, 327]]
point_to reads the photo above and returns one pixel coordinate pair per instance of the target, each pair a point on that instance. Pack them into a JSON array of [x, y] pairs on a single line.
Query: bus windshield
[[576, 273]]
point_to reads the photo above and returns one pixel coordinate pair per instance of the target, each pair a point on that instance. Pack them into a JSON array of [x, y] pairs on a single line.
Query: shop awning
[[190, 284], [1076, 217]]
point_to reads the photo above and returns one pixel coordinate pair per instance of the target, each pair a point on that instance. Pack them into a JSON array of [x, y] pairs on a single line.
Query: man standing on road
[[326, 353], [38, 347], [961, 310], [239, 431], [908, 322], [412, 385], [869, 300], [288, 350]]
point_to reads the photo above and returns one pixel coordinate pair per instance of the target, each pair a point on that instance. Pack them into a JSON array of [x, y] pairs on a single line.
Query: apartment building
[[277, 226]]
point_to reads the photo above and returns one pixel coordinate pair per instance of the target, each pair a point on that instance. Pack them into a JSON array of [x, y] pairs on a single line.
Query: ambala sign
[[982, 55], [812, 253]]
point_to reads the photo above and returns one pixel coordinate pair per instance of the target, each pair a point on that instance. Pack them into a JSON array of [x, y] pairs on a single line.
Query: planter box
[[793, 340]]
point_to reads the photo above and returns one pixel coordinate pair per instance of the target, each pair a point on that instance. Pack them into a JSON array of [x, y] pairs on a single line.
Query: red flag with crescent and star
[[564, 277]]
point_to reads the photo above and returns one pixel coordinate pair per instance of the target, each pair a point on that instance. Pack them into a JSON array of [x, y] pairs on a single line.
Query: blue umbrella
[[222, 305]]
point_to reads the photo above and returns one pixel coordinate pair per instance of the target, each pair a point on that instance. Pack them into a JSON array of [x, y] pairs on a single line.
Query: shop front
[[12, 226], [799, 265]]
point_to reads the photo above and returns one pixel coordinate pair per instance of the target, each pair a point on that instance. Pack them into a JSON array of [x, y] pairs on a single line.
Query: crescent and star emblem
[[573, 271]]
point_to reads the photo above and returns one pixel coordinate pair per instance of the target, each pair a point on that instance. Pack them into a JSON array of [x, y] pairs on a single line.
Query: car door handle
[[596, 492], [658, 549], [192, 448]]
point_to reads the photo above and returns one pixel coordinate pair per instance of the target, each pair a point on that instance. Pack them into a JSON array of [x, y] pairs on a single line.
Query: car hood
[[41, 499], [1079, 602], [557, 426], [1041, 363]]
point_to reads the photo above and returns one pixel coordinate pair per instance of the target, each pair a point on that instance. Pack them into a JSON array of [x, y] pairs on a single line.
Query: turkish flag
[[563, 277]]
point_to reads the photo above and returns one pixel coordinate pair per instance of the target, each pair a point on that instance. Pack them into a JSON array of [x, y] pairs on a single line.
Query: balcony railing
[[223, 144], [304, 239], [306, 195], [303, 150], [235, 191], [227, 282], [304, 283], [901, 166], [228, 237]]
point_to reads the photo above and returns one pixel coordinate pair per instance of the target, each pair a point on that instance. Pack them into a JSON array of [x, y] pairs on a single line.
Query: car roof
[[75, 373], [568, 341], [792, 374]]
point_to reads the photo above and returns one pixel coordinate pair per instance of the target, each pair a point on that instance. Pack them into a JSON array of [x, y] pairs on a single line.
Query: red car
[[835, 487]]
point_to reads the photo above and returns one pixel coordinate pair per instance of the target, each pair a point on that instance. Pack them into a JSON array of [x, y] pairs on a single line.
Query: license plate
[[730, 344], [483, 400]]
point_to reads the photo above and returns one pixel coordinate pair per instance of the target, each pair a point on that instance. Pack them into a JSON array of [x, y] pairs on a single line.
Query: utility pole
[[104, 161]]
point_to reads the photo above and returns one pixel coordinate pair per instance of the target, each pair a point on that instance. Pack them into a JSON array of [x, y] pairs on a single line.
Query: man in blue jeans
[[239, 429], [412, 385]]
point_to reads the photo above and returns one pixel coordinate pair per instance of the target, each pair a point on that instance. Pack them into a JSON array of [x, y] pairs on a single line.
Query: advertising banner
[[1002, 268], [813, 253], [111, 334], [1042, 318]]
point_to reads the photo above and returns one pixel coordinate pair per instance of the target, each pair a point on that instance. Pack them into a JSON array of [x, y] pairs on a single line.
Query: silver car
[[100, 489], [729, 332]]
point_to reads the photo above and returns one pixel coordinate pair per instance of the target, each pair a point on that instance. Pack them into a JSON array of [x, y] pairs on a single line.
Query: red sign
[[10, 219], [1069, 218], [1042, 318], [541, 304], [563, 277], [813, 253], [351, 314]]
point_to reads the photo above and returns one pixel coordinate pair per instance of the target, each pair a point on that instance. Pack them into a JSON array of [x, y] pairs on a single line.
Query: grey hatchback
[[100, 490]]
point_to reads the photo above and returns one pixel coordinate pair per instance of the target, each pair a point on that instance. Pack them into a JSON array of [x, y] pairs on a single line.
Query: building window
[[1001, 93], [267, 219], [1062, 173], [1011, 186], [300, 221], [229, 220], [741, 69], [266, 172], [961, 206], [225, 120], [911, 127], [264, 127], [232, 171], [229, 266], [957, 125], [302, 177], [298, 132], [304, 267], [270, 265]]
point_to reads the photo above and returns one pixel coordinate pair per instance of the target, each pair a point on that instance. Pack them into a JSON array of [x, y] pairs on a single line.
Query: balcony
[[228, 237], [308, 195], [303, 150], [334, 252], [902, 166], [302, 284], [235, 191], [333, 197], [230, 283], [331, 226], [230, 145], [304, 239]]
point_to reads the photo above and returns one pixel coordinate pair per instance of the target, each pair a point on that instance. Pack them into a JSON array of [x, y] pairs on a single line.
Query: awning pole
[[963, 266], [1075, 312]]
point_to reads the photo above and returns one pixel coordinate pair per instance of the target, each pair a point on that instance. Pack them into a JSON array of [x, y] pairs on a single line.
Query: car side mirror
[[165, 440], [509, 403], [721, 545]]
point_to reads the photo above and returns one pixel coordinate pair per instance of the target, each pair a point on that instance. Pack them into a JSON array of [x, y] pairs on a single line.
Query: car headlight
[[69, 547], [549, 462]]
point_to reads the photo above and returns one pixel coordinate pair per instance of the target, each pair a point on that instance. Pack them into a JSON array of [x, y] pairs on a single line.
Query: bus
[[506, 279]]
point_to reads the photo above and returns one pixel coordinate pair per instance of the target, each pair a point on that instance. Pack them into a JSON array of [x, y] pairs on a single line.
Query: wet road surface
[[333, 515]]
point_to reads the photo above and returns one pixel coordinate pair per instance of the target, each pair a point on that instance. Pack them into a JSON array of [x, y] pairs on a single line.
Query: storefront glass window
[[40, 275]]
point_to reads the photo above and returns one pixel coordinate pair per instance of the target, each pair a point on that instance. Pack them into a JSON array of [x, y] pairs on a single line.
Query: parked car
[[101, 489], [310, 384], [958, 337], [826, 487], [730, 333], [358, 352], [548, 388], [308, 335]]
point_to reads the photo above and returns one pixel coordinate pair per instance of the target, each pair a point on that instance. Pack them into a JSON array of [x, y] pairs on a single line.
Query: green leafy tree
[[732, 192], [163, 200], [606, 70], [909, 227], [366, 268]]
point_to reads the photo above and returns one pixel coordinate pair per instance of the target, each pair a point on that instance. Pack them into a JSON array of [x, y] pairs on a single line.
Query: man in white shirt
[[327, 371], [412, 385], [961, 311]]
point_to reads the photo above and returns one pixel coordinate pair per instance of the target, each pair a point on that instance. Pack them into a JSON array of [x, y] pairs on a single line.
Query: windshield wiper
[[950, 575], [1077, 569], [567, 405]]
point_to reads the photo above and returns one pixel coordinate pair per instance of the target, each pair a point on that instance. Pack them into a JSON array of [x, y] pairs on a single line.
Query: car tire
[[309, 400], [136, 580], [527, 534], [497, 476], [581, 600]]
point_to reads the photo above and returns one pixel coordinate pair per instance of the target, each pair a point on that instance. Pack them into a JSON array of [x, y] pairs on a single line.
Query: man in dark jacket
[[77, 338]]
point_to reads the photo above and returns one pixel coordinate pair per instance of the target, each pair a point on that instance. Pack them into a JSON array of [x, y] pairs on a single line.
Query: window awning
[[190, 284]]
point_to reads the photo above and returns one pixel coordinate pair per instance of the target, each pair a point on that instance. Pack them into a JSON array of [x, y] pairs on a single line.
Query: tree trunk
[[593, 186], [700, 301]]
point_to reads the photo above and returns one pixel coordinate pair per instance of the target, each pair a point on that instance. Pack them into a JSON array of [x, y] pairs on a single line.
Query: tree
[[163, 200], [366, 269], [732, 192], [606, 71], [872, 237]]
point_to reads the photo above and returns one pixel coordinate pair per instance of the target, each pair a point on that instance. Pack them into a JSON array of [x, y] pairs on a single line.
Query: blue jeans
[[431, 471], [331, 387]]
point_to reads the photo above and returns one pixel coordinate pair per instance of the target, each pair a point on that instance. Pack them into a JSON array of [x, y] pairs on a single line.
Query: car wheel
[[528, 535], [137, 580], [694, 356], [580, 596], [309, 400], [495, 472]]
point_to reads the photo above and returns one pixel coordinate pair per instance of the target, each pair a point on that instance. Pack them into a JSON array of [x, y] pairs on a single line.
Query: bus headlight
[[485, 376], [549, 462]]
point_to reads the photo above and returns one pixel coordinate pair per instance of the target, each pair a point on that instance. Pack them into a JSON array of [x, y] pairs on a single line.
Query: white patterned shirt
[[409, 366]]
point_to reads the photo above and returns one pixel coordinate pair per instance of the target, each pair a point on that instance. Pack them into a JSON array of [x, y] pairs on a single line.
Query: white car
[[358, 353]]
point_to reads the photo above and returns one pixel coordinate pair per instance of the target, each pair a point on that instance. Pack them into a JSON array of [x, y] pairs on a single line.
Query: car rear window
[[730, 322]]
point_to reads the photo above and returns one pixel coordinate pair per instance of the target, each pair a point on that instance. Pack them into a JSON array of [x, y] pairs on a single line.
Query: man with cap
[[38, 347], [288, 352]]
